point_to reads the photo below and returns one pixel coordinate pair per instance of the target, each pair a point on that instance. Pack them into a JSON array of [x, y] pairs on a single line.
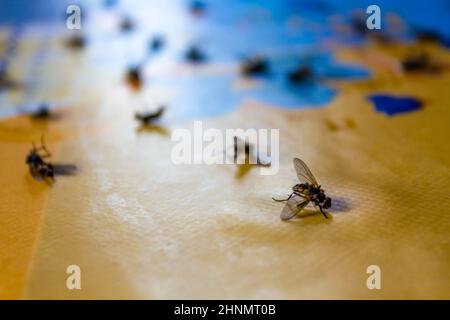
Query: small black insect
[[156, 43], [358, 23], [301, 74], [134, 77], [254, 66], [126, 24], [416, 62], [42, 112], [303, 193], [428, 35], [251, 154], [195, 55], [39, 168], [76, 42], [148, 118]]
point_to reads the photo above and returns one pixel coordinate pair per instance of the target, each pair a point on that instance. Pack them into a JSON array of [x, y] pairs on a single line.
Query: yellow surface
[[142, 227]]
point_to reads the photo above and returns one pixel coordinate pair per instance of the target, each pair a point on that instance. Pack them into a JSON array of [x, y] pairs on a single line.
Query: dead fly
[[42, 170], [428, 36], [416, 62], [76, 42], [134, 77], [39, 169], [251, 154], [126, 24], [254, 66], [303, 193], [300, 74], [195, 55], [156, 43], [150, 117], [42, 112], [420, 61]]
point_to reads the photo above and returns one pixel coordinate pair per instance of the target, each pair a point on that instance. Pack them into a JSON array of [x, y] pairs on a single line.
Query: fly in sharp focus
[[308, 190]]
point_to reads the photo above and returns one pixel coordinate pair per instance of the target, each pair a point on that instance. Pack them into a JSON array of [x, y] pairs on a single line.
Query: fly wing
[[292, 207], [303, 172]]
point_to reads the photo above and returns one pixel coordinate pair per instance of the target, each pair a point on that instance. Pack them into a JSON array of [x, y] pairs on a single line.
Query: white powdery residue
[[119, 205], [105, 185]]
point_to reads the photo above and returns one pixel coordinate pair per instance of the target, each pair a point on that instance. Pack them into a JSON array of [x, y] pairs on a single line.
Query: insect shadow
[[314, 215], [133, 77], [153, 128], [148, 121], [340, 204], [65, 169], [243, 170]]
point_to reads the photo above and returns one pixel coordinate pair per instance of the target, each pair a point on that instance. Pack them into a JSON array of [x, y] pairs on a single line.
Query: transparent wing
[[292, 207], [303, 172]]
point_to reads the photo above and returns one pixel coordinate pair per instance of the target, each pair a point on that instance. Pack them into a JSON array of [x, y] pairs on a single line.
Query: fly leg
[[49, 180], [282, 200], [43, 147], [48, 174], [323, 212], [47, 153]]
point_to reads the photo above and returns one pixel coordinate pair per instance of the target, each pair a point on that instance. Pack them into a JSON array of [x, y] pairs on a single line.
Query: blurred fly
[[255, 66], [252, 156], [42, 112], [150, 117], [308, 190], [45, 171], [39, 168]]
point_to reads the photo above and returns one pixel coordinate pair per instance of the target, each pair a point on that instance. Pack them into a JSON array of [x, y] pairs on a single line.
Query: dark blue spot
[[392, 105]]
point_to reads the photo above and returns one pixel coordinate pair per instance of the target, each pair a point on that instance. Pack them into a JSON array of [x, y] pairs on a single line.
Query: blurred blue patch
[[392, 105], [212, 95], [289, 33], [21, 12]]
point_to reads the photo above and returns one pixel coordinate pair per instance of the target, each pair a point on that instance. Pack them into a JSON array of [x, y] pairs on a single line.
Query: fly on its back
[[39, 168], [42, 170], [308, 190]]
